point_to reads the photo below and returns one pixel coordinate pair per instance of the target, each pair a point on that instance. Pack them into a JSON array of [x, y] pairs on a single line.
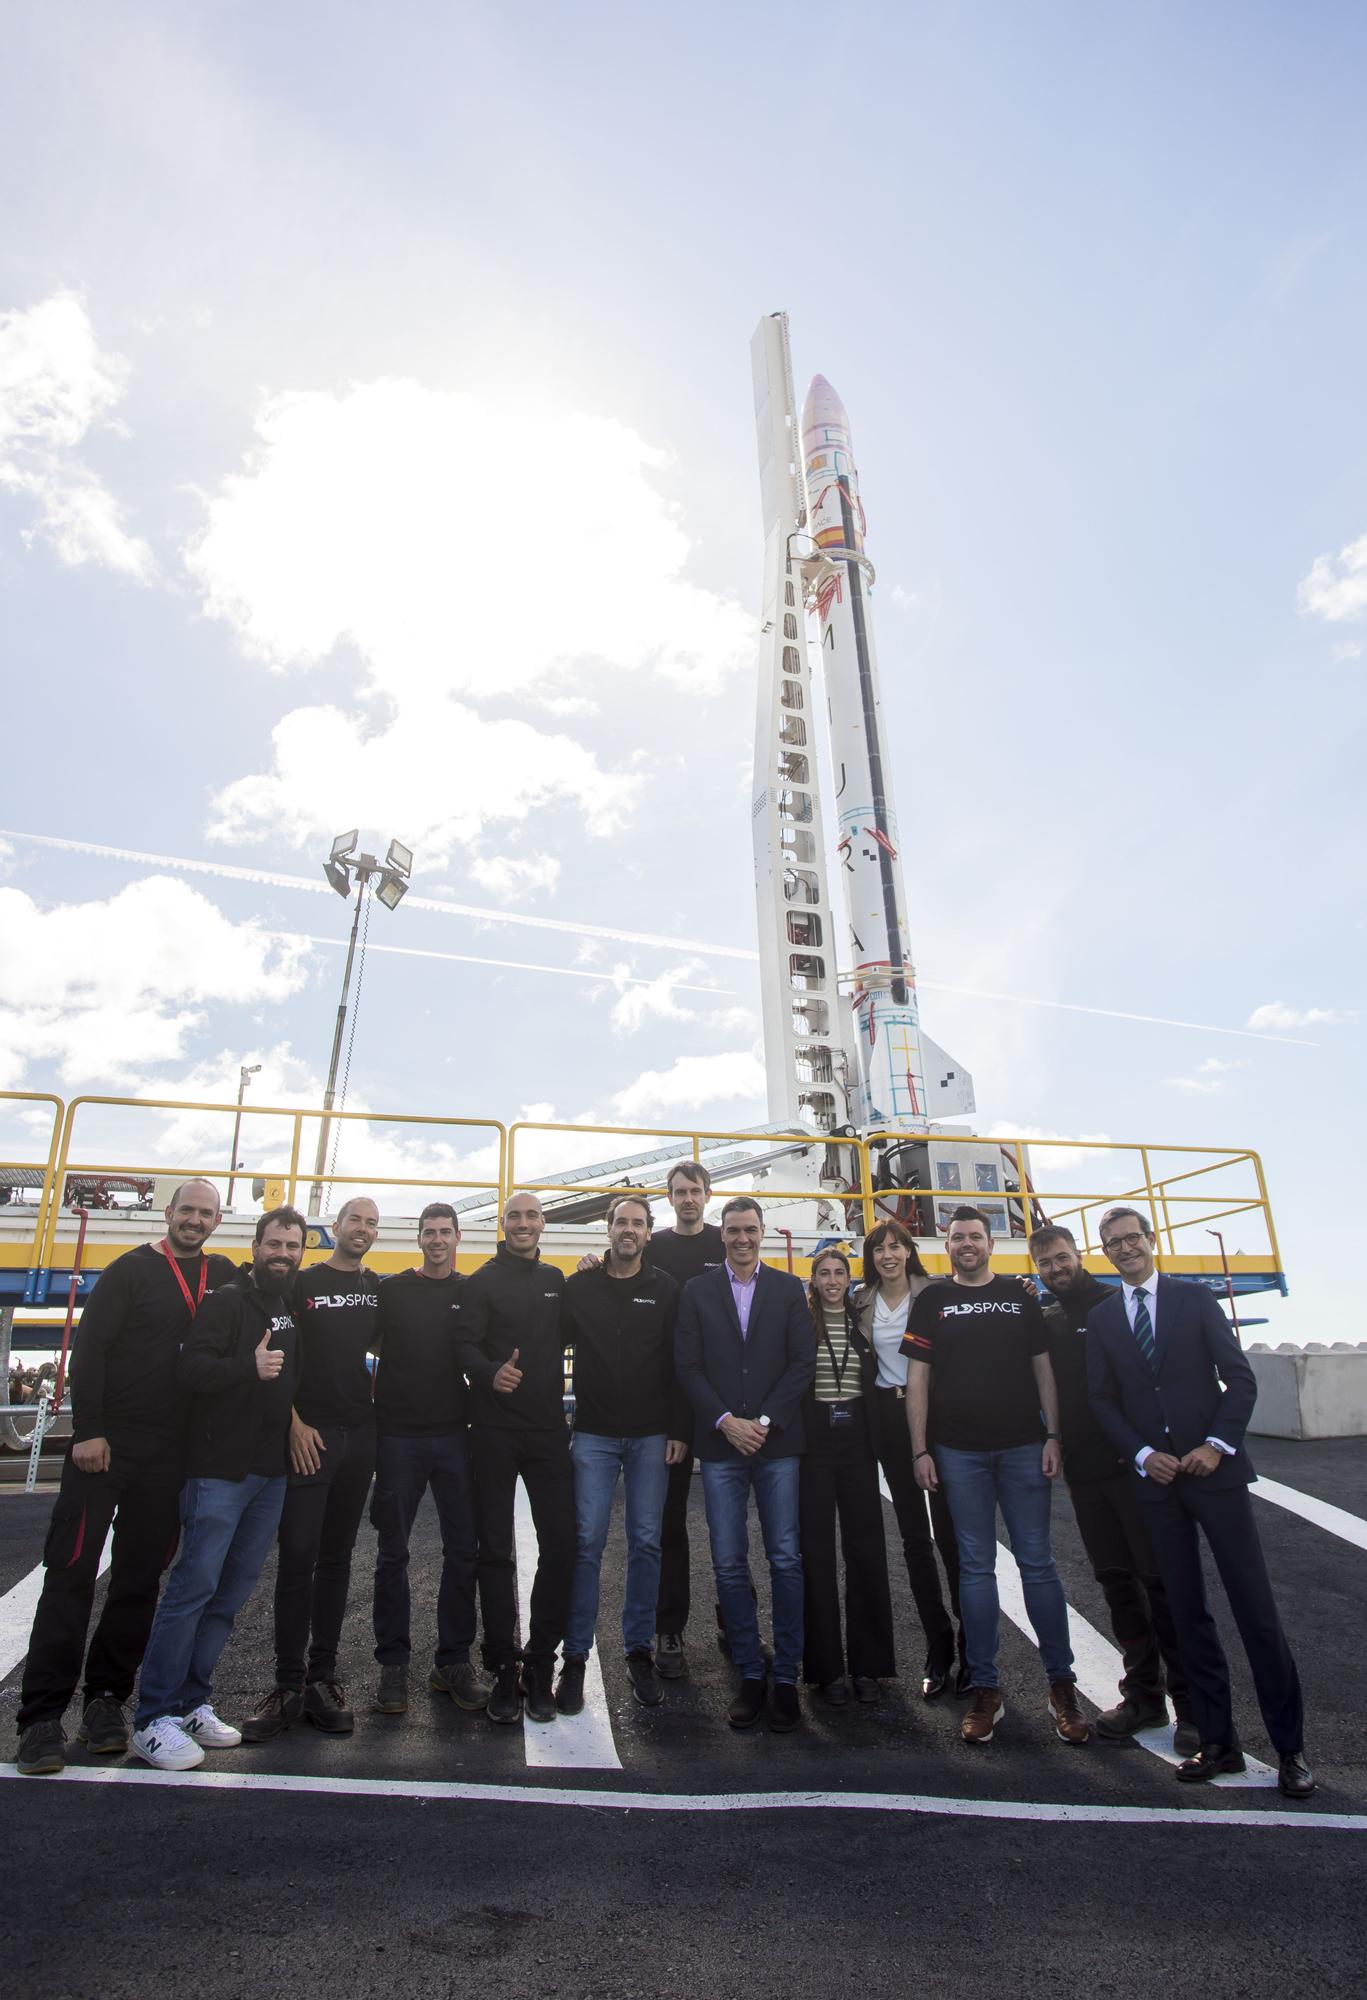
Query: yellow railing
[[1171, 1198]]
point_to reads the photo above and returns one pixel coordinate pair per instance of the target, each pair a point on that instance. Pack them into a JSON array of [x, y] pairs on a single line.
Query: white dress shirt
[[1148, 1291]]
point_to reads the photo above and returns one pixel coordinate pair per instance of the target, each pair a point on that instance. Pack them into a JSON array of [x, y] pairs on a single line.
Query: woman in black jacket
[[894, 1277], [839, 1482]]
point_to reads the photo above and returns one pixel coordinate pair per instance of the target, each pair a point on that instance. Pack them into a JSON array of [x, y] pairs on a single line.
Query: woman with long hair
[[839, 1483], [893, 1276]]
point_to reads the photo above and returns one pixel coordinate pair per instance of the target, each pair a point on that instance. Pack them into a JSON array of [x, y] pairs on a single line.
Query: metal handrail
[[48, 1194]]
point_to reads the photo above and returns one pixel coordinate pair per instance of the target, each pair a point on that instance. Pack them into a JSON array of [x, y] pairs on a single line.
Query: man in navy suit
[[1173, 1391], [745, 1355]]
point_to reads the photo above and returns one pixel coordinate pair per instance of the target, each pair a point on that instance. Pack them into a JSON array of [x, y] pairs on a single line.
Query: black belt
[[884, 1390]]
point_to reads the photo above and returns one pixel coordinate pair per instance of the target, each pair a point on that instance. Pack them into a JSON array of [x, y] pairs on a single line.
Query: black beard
[[276, 1282]]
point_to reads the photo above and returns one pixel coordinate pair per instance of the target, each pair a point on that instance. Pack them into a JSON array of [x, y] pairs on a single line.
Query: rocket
[[844, 1045]]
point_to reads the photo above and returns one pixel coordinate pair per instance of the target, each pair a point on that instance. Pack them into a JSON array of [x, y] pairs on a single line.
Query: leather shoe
[[938, 1670], [748, 1706], [784, 1712], [1212, 1760], [1129, 1716], [835, 1693], [866, 1689], [963, 1682], [1294, 1776], [1186, 1737]]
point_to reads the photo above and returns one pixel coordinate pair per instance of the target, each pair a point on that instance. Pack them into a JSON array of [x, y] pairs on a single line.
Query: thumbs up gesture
[[509, 1375], [269, 1360]]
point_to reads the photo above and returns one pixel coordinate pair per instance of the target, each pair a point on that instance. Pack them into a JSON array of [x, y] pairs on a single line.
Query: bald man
[[124, 1469]]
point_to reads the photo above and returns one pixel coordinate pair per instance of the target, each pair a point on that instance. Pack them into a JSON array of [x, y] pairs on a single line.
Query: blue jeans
[[976, 1483], [726, 1493], [227, 1527], [597, 1463], [404, 1469]]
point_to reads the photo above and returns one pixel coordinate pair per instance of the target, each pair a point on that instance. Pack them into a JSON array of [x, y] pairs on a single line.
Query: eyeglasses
[[1130, 1242]]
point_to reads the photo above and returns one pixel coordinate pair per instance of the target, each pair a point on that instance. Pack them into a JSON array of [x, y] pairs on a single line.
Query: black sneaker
[[645, 1682], [537, 1693], [275, 1711], [103, 1727], [42, 1750], [467, 1689], [670, 1661], [505, 1703], [569, 1692], [391, 1696], [747, 1706], [325, 1706]]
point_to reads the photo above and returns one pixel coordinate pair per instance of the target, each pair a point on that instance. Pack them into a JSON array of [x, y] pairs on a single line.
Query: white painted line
[[17, 1607], [1336, 1520], [612, 1800], [1098, 1666], [582, 1742]]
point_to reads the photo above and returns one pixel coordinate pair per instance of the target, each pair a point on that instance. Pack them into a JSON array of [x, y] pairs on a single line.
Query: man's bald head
[[523, 1222], [192, 1216]]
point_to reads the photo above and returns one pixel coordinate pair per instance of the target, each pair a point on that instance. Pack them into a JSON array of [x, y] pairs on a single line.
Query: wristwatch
[[764, 1423]]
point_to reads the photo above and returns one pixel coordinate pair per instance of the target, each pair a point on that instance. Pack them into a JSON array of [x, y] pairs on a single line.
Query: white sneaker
[[209, 1730], [163, 1744]]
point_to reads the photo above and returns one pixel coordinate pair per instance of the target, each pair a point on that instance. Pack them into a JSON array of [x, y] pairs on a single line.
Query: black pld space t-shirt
[[980, 1341], [338, 1315]]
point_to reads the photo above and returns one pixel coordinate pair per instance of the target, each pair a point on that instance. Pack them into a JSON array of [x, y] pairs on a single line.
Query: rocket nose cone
[[823, 406]]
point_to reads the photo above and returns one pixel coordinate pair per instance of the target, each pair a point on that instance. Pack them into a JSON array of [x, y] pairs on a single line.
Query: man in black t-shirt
[[1108, 1512], [982, 1407], [124, 1467], [421, 1414], [332, 1462]]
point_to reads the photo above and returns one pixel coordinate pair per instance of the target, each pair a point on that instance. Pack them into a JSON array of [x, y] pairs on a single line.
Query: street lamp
[[244, 1074], [390, 889]]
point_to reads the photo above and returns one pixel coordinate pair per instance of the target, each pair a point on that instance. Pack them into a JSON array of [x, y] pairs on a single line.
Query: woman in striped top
[[839, 1483]]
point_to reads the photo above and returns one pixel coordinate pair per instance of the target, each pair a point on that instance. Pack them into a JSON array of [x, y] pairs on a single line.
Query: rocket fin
[[948, 1085]]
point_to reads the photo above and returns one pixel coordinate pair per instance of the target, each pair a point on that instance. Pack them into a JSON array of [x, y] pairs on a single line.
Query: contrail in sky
[[603, 978], [269, 878]]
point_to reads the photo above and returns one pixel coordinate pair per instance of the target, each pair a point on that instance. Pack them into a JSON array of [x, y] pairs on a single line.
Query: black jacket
[[514, 1302], [766, 1374], [123, 1363], [1087, 1451], [238, 1424], [622, 1334]]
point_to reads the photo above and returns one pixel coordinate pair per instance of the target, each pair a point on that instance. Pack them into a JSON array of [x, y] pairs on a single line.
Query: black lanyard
[[837, 1370]]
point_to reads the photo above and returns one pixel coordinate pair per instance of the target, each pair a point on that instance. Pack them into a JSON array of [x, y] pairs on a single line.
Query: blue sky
[[376, 447]]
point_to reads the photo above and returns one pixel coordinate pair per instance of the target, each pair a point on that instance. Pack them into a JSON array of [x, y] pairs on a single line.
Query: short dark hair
[[286, 1217], [1052, 1232], [692, 1170], [891, 1231], [1123, 1208], [963, 1213], [641, 1201], [441, 1210], [740, 1201]]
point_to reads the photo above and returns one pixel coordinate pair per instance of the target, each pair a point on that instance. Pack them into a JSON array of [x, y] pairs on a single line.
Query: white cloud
[[435, 777], [509, 876], [55, 385], [1335, 587], [692, 1083], [1056, 1158], [109, 990], [637, 1004], [1276, 1014], [1209, 1077], [1347, 649]]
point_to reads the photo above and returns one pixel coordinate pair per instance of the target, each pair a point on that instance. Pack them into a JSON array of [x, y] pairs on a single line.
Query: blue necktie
[[1143, 1328]]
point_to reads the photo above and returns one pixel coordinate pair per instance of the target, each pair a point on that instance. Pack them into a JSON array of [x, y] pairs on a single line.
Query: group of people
[[232, 1409], [26, 1385]]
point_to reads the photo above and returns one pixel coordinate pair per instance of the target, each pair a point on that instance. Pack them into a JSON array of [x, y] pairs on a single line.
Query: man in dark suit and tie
[[745, 1356], [1173, 1390]]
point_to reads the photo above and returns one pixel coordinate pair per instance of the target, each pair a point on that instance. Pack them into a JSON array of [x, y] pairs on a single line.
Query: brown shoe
[[1069, 1721], [985, 1710]]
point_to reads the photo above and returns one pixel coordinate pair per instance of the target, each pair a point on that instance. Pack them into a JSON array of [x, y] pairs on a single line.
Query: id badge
[[839, 1413]]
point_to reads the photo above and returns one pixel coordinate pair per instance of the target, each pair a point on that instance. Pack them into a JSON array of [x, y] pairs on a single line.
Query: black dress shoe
[[748, 1706], [784, 1712], [1186, 1737], [866, 1689], [1212, 1760], [938, 1670], [1294, 1776], [963, 1681], [835, 1693]]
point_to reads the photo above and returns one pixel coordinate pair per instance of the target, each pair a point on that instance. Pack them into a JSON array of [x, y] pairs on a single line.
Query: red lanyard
[[179, 1276]]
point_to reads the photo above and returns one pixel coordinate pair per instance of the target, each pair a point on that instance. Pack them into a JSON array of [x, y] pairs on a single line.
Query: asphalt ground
[[892, 1858]]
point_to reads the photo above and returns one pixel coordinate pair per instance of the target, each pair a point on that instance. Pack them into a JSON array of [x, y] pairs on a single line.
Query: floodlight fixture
[[399, 859], [338, 877], [345, 844], [392, 889]]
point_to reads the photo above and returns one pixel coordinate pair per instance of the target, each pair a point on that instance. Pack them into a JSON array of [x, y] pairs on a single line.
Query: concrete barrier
[[1310, 1392]]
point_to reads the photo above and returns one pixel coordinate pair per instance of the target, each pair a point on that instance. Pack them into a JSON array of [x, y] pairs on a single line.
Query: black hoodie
[[238, 1424], [514, 1302], [1087, 1452]]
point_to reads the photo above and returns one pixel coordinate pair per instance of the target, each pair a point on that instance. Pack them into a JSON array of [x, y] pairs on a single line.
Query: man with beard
[[124, 1468], [1108, 1513], [240, 1365]]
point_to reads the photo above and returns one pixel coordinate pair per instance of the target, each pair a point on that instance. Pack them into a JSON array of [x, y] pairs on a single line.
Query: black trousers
[[140, 1495], [318, 1528], [404, 1469], [1110, 1520], [541, 1460], [1187, 1510], [671, 1611], [916, 1522], [839, 1483]]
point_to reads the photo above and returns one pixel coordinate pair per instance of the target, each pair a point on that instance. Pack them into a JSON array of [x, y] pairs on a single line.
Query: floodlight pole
[[244, 1076], [364, 869]]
